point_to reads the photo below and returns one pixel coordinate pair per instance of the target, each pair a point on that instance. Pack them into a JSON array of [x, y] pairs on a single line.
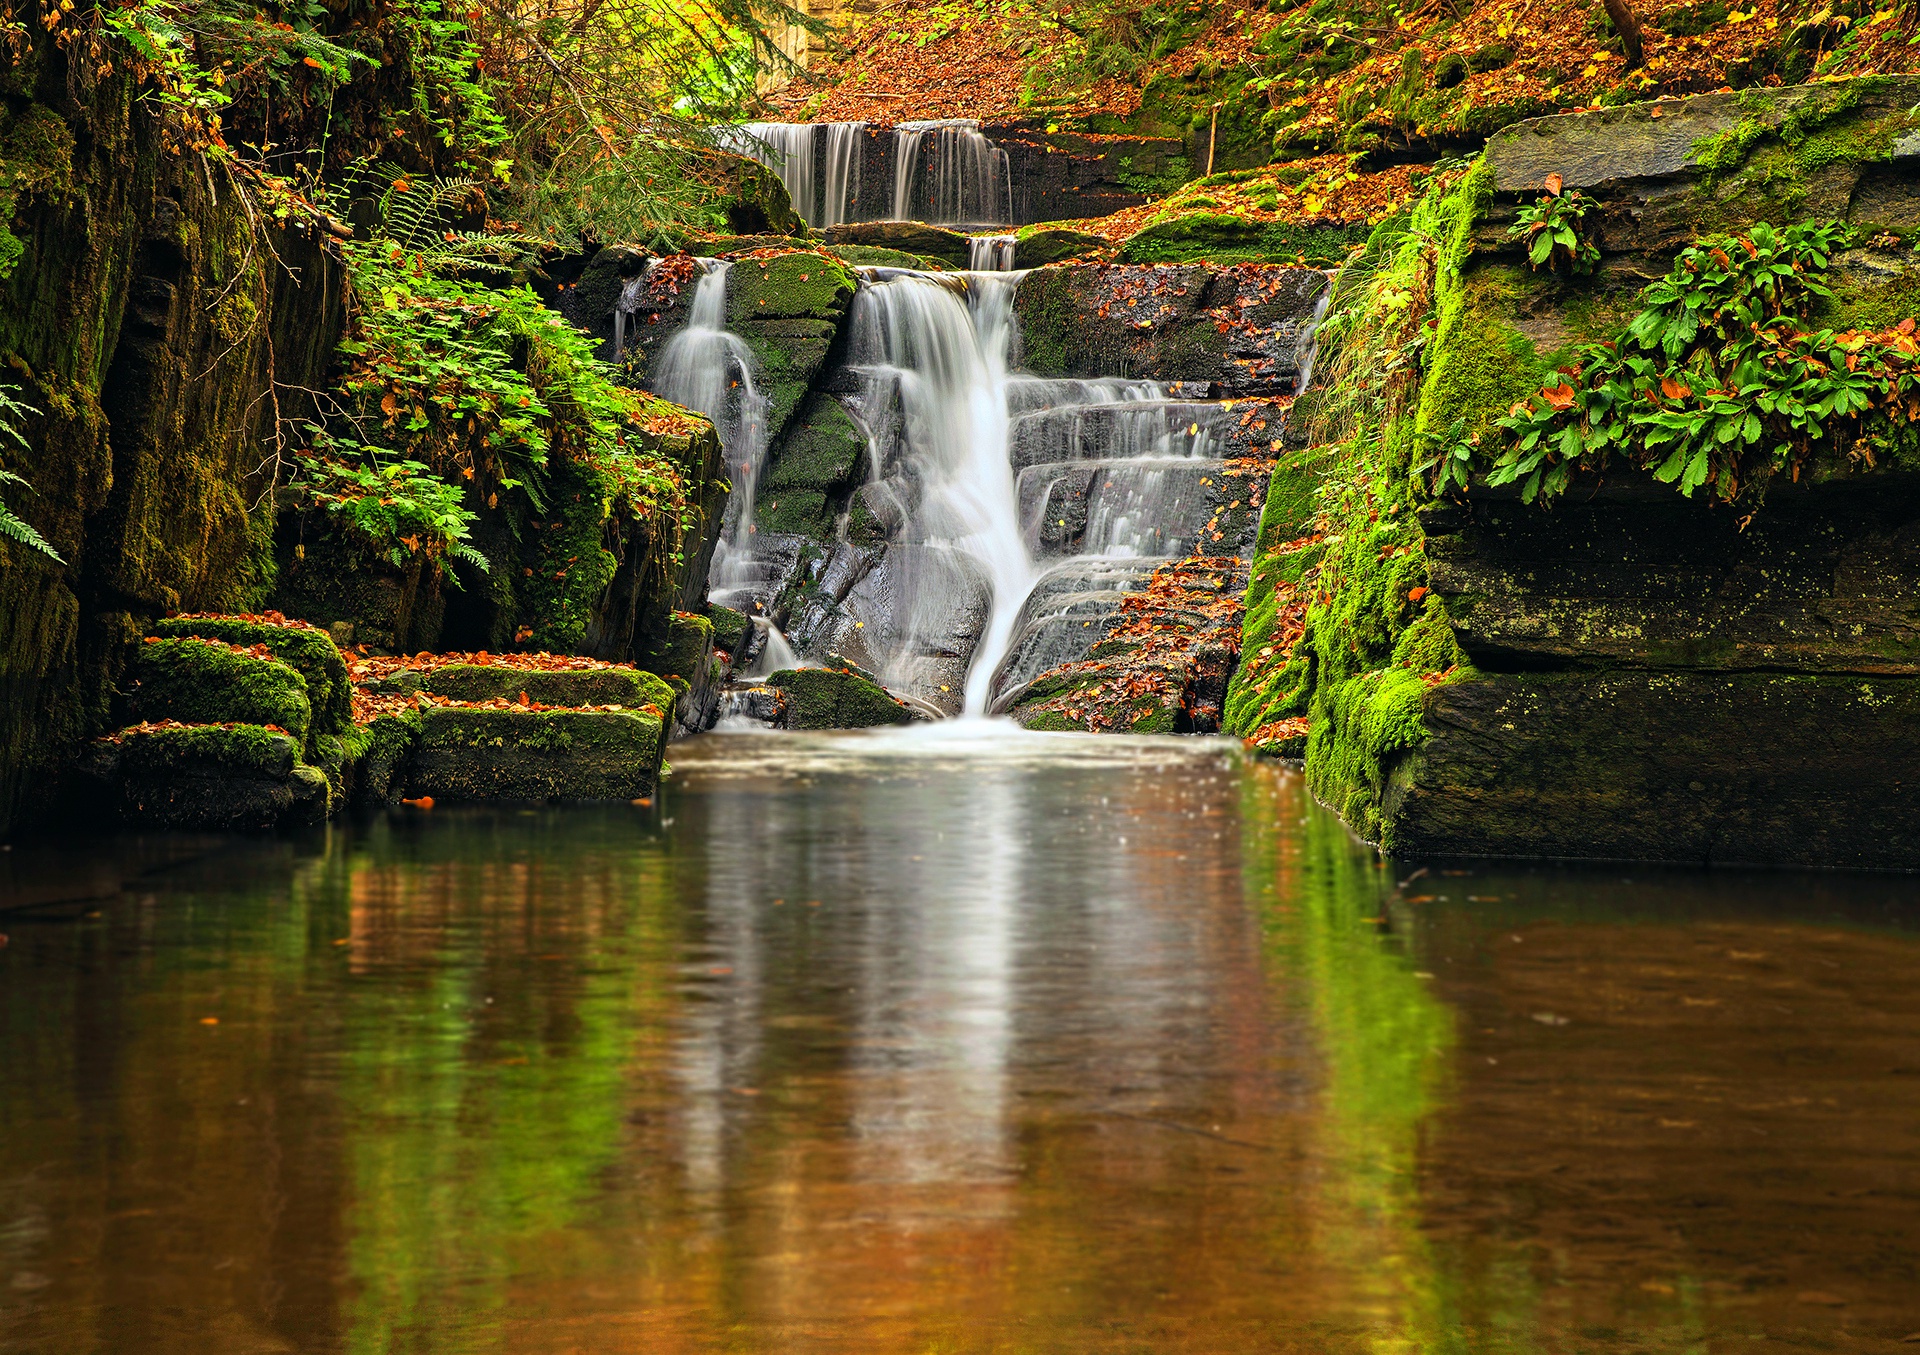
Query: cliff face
[[160, 334], [1624, 670]]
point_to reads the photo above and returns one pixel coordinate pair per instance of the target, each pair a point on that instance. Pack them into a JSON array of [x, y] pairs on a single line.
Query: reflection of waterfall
[[951, 170], [942, 356], [991, 253], [707, 367]]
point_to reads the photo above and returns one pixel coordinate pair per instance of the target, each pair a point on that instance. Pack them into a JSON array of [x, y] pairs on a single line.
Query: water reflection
[[944, 1040]]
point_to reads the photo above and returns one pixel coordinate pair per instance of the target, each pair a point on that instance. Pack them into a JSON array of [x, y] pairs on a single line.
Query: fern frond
[[16, 529]]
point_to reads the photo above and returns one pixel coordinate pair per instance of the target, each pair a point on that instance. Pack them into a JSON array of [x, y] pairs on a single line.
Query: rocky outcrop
[[1628, 673]]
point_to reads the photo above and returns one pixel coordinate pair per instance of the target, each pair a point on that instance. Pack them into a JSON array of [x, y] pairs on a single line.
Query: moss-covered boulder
[[878, 256], [906, 237], [211, 682], [1221, 237], [486, 754], [826, 698], [730, 628], [631, 688], [1037, 246], [812, 471], [754, 199], [329, 577], [206, 776], [378, 775], [308, 650], [789, 308]]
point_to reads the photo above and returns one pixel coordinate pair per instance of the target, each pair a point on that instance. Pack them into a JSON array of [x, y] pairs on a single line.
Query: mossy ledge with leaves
[[1609, 552]]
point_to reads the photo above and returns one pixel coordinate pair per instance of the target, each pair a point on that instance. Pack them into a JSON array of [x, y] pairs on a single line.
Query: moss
[[1359, 726], [800, 285], [471, 754], [386, 759], [686, 650], [821, 451], [1226, 238], [309, 652], [824, 698], [566, 566], [242, 749], [729, 627], [628, 687], [207, 682], [879, 256]]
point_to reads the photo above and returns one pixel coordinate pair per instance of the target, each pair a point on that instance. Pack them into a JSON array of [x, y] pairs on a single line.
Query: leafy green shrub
[[1551, 229], [1718, 382], [400, 508]]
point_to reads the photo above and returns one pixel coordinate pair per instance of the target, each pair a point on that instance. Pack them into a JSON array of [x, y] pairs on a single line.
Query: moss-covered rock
[[811, 472], [1226, 238], [825, 698], [1037, 246], [468, 754], [755, 200], [206, 776], [327, 577], [878, 256], [209, 682], [379, 774], [908, 237], [632, 688], [730, 628], [307, 650]]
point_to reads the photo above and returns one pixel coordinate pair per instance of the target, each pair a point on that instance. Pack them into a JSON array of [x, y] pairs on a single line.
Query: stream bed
[[948, 1039]]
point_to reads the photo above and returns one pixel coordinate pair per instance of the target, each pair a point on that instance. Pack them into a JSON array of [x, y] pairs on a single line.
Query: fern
[[13, 527]]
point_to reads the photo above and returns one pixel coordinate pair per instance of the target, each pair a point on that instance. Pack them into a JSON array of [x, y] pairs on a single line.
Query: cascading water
[[789, 149], [951, 169], [709, 368], [991, 253], [940, 351]]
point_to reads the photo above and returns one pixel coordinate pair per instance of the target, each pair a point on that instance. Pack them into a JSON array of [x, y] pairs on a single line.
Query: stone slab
[[467, 754]]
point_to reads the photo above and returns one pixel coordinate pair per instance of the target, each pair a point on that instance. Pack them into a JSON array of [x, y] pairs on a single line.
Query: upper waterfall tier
[[953, 171]]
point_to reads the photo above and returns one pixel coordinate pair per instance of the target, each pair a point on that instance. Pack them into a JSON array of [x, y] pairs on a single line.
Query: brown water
[[945, 1042]]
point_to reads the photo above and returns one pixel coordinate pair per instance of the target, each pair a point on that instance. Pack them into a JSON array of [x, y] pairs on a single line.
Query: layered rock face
[[1630, 673]]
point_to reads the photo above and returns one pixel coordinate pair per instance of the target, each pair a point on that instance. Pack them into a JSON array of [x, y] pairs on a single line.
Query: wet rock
[[206, 777], [825, 698], [1037, 247], [1761, 768], [907, 237], [1243, 330], [760, 704], [467, 754]]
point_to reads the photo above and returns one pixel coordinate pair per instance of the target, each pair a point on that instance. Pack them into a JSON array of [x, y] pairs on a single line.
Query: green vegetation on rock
[[826, 698], [210, 682]]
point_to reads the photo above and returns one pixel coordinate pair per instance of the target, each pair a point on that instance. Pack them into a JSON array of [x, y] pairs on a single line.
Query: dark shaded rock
[[207, 776], [1824, 579], [467, 754], [1241, 330], [754, 199], [1760, 768], [328, 578], [824, 698], [1226, 238]]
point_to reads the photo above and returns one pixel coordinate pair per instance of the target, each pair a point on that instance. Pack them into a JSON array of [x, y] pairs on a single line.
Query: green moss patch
[[823, 698], [467, 754], [208, 682], [628, 687], [308, 651]]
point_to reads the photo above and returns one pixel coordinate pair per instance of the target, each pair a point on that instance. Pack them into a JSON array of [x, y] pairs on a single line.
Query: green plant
[[1552, 231], [11, 525], [401, 508], [1718, 381]]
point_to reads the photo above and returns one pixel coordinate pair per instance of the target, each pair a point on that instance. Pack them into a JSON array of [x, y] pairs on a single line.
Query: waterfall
[[939, 348], [991, 253], [709, 368], [968, 177], [789, 150]]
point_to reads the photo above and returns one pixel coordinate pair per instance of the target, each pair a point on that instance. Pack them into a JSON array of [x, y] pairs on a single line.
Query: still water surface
[[945, 1041]]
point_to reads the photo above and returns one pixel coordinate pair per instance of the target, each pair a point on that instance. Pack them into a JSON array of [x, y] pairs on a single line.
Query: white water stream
[[709, 368]]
